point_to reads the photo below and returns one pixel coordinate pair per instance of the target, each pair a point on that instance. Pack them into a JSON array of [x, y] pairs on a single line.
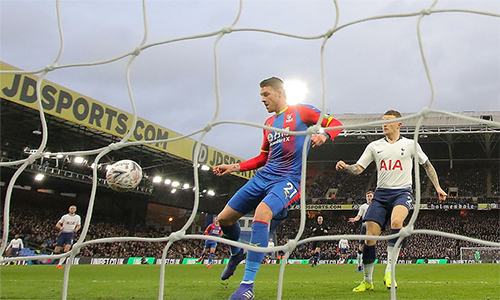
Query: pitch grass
[[197, 282]]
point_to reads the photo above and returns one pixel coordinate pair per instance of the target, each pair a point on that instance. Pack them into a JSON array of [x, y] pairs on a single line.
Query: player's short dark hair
[[393, 112], [274, 82], [369, 192]]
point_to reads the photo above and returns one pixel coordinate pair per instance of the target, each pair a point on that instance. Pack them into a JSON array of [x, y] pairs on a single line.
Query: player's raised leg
[[228, 220]]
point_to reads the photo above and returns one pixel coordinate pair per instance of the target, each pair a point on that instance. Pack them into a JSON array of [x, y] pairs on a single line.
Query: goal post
[[480, 254]]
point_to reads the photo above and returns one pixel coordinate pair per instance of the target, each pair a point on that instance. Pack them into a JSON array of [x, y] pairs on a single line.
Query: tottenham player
[[14, 247], [213, 230], [360, 216], [343, 249], [68, 225], [319, 229], [393, 197], [276, 185]]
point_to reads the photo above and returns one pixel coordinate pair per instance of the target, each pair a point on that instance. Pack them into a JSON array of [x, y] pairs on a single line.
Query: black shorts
[[65, 238]]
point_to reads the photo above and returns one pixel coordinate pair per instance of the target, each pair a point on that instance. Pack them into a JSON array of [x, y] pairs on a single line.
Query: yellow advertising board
[[79, 109]]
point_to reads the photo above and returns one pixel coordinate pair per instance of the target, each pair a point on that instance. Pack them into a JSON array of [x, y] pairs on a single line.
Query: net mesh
[[215, 121], [480, 254]]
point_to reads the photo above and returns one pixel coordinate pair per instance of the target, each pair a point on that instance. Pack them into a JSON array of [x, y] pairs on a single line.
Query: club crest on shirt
[[288, 118]]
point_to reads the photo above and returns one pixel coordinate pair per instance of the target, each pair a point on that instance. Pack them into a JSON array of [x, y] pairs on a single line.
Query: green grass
[[197, 282]]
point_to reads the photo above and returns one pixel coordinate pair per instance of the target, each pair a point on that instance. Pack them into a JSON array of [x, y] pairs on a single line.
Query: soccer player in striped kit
[[214, 230], [393, 199], [276, 185]]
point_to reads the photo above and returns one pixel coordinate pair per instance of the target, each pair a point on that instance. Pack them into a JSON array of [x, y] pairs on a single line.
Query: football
[[124, 175]]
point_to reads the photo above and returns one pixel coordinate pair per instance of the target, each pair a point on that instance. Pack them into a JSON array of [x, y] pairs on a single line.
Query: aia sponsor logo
[[391, 165]]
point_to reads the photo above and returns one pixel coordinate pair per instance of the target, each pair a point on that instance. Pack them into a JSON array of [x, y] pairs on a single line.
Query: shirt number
[[289, 190]]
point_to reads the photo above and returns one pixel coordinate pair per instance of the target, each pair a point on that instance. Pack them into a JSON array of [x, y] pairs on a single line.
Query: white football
[[124, 175]]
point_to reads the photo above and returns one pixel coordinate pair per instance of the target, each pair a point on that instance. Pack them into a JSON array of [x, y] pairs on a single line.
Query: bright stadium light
[[211, 193], [78, 160], [156, 179], [173, 191], [170, 219], [39, 177], [296, 91], [205, 168], [168, 181], [185, 186], [175, 184]]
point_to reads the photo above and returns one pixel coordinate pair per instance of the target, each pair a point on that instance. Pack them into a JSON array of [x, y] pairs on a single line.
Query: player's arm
[[357, 168], [10, 245], [432, 174], [59, 224], [355, 219], [78, 226], [207, 230], [251, 164], [354, 169], [310, 115], [21, 245]]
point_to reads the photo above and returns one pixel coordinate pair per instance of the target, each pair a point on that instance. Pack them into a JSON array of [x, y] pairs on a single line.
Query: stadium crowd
[[38, 232], [477, 224]]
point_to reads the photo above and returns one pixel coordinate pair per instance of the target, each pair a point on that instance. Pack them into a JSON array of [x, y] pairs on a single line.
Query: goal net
[[480, 254]]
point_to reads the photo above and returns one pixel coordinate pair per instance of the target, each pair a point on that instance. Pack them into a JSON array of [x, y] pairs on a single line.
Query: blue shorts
[[210, 244], [65, 238], [343, 250], [278, 195], [384, 201]]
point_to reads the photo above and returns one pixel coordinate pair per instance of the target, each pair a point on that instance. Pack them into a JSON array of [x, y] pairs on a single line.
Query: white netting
[[480, 254], [181, 234]]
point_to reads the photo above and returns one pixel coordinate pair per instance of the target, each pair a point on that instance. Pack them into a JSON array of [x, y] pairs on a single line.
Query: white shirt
[[16, 243], [69, 222], [344, 244], [394, 162], [362, 210]]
